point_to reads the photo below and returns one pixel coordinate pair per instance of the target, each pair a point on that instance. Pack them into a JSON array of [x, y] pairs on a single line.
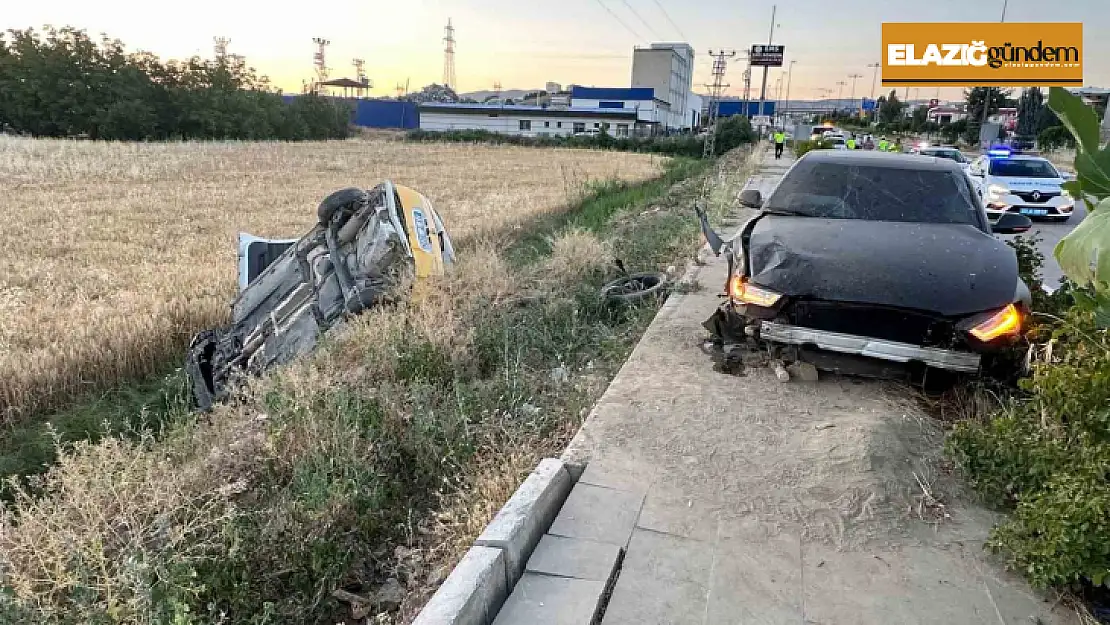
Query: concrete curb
[[479, 585]]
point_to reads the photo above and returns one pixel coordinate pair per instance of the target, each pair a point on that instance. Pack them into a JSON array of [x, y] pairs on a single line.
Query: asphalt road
[[1050, 234]]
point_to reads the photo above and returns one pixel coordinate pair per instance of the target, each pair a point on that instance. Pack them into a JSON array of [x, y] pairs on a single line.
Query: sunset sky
[[524, 44]]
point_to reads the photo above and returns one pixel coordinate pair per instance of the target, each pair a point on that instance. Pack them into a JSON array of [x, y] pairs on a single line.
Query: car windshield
[[831, 190], [952, 155], [1020, 168]]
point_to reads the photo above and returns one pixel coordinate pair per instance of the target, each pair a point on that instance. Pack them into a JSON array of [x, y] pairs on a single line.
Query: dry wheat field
[[114, 254]]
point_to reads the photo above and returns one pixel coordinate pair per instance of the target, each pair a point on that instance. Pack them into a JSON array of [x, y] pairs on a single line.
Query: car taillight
[[1006, 322], [739, 289]]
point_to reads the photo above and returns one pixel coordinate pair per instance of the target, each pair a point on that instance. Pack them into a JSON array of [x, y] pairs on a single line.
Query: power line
[[620, 21], [642, 21], [667, 15]]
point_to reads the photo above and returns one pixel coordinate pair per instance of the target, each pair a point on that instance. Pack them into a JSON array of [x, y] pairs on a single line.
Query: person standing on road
[[852, 142], [780, 143], [883, 144]]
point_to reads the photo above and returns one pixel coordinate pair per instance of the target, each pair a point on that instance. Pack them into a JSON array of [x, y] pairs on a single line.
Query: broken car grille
[[892, 324]]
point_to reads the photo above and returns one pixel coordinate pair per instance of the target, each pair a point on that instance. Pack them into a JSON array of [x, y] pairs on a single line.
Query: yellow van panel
[[423, 238]]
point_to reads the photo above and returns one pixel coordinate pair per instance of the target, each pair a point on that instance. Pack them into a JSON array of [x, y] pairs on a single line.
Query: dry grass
[[113, 255]]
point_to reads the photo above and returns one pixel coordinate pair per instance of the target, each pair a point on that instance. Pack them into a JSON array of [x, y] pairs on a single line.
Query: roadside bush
[[801, 147], [681, 145], [1055, 138], [1047, 456]]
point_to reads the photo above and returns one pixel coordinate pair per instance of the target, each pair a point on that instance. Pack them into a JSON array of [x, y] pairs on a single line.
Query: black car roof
[[868, 158]]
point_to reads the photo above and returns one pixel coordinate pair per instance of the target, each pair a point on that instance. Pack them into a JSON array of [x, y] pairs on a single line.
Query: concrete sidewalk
[[740, 499]]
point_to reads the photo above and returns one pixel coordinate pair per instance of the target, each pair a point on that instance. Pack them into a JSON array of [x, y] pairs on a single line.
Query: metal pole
[[770, 38], [874, 77], [789, 76], [987, 92]]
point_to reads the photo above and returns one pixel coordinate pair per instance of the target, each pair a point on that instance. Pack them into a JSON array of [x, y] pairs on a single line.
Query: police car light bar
[[1000, 152]]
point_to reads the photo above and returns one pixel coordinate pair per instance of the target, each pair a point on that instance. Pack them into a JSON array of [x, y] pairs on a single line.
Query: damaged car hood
[[949, 269]]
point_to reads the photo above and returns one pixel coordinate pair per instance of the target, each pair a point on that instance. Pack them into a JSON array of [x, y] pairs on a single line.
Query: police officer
[[851, 142], [780, 143], [883, 144]]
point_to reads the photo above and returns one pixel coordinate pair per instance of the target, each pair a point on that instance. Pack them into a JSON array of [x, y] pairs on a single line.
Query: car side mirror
[[1011, 223], [751, 198]]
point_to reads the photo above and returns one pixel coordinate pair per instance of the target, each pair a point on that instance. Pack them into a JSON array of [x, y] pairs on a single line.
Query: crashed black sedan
[[872, 256]]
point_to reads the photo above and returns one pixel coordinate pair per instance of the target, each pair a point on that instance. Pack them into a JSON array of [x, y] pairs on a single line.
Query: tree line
[[58, 82]]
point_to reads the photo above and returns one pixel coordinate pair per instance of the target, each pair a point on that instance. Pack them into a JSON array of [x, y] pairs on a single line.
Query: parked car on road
[[881, 256], [1016, 183], [952, 154]]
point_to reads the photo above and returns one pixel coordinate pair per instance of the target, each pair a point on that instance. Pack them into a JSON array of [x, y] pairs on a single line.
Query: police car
[[1010, 182]]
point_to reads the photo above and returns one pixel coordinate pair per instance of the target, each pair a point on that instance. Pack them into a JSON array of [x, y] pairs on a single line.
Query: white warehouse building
[[528, 121], [668, 68]]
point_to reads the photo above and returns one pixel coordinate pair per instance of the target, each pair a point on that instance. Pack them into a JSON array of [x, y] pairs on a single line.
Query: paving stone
[[473, 592], [669, 557], [546, 600], [572, 557], [640, 599], [625, 474], [679, 516], [523, 519], [598, 514], [757, 576]]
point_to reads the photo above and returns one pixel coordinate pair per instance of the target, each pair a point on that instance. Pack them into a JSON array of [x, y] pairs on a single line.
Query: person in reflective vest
[[780, 141], [851, 143], [883, 144]]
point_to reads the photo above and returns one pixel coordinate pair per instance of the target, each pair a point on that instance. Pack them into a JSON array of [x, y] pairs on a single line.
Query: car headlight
[[1066, 193], [740, 290], [1006, 322], [996, 190]]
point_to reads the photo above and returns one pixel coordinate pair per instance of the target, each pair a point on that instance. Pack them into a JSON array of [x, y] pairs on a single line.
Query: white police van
[[1015, 183]]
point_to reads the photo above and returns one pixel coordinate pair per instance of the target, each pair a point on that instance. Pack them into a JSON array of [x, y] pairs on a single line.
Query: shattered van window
[[839, 191]]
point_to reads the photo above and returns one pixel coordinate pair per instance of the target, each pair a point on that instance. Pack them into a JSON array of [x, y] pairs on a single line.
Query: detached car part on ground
[[872, 256], [368, 247]]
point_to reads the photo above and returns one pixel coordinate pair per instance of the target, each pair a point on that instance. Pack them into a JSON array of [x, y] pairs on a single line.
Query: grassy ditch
[[365, 468]]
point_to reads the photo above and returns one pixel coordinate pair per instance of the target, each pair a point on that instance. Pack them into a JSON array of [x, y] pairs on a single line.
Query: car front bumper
[[1059, 206], [952, 360]]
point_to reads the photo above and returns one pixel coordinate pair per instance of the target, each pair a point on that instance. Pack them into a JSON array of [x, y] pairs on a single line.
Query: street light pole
[[987, 90], [853, 76], [874, 77], [770, 38], [839, 91], [789, 76]]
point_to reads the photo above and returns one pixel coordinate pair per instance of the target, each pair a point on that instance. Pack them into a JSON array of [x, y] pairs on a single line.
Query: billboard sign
[[971, 54], [763, 55]]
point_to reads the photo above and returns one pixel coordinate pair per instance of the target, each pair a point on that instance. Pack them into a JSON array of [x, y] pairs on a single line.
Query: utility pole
[[874, 77], [839, 92], [219, 47], [770, 39], [720, 65], [449, 55], [789, 76], [852, 97], [320, 61], [987, 90]]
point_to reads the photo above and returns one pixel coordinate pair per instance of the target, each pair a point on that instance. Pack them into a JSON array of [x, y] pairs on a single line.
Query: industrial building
[[650, 110], [668, 68], [529, 121]]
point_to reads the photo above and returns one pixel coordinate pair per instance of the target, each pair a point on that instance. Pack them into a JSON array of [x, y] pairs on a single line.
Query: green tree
[[60, 83], [1029, 110], [890, 108], [992, 97], [919, 119]]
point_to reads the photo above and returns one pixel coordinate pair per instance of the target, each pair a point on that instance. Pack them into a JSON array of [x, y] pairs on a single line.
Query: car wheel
[[635, 287], [337, 200]]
